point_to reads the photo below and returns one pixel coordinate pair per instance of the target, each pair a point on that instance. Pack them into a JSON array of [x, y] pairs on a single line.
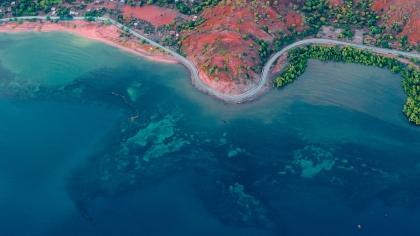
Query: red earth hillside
[[153, 14], [222, 47], [404, 14]]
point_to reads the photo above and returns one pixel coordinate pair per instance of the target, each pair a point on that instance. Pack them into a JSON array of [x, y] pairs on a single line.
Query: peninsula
[[230, 51]]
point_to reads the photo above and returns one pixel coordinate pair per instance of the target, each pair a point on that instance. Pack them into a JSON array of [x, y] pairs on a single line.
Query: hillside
[[230, 41], [401, 17]]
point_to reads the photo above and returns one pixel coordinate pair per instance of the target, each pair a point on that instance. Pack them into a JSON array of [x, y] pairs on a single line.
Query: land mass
[[229, 42], [230, 47], [154, 51]]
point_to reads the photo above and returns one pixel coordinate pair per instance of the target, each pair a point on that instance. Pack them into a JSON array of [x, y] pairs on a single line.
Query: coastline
[[105, 34], [111, 35], [108, 34], [94, 31]]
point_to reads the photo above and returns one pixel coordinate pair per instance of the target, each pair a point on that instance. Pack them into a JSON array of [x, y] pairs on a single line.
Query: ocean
[[97, 141]]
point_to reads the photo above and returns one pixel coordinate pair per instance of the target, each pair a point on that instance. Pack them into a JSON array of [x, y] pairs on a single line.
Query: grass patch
[[221, 50]]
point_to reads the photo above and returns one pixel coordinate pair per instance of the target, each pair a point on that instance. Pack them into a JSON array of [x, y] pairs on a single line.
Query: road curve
[[323, 41], [266, 69]]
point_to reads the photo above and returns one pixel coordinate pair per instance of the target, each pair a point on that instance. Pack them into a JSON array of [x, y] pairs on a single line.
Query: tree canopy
[[299, 59]]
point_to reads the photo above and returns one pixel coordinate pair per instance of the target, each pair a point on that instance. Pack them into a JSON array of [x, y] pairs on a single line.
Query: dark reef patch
[[242, 166]]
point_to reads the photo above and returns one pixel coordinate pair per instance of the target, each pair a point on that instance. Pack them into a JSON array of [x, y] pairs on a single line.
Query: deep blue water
[[40, 144], [319, 157]]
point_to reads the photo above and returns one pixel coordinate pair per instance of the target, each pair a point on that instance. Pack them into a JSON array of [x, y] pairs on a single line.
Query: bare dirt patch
[[281, 63], [107, 4], [336, 2], [358, 36], [329, 32], [153, 14]]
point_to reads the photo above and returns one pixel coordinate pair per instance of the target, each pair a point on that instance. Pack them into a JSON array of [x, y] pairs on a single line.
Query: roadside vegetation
[[299, 58], [411, 85], [282, 23], [29, 7], [232, 40]]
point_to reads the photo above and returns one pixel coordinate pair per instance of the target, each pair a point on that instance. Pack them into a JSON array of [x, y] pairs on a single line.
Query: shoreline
[[108, 33], [84, 29], [99, 32]]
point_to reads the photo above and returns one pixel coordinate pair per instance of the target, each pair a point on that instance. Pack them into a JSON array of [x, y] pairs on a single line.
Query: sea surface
[[97, 141]]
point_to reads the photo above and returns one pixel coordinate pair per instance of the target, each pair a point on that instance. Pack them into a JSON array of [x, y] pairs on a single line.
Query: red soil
[[293, 18], [336, 2], [219, 42], [405, 12], [219, 47], [226, 19], [221, 86], [281, 63], [153, 14]]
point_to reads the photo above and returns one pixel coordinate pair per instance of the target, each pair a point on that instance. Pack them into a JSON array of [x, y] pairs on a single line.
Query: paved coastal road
[[324, 41], [266, 69]]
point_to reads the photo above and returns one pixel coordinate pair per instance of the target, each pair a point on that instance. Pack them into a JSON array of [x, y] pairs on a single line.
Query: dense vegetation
[[349, 16], [299, 58], [264, 50], [96, 12], [29, 7], [318, 13], [185, 7], [411, 85]]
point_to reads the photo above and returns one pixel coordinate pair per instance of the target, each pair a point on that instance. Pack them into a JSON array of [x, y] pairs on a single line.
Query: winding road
[[252, 92]]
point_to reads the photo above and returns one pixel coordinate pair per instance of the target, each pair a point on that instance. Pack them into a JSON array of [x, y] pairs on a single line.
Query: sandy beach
[[228, 91], [108, 34]]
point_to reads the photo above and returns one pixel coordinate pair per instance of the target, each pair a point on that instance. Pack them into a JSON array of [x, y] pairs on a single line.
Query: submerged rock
[[160, 149], [156, 132], [136, 91], [310, 161], [232, 205]]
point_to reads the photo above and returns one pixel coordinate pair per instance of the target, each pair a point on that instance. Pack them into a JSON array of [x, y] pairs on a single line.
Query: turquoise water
[[97, 141]]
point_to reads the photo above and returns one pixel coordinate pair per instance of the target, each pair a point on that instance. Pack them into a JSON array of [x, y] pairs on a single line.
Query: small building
[[122, 0], [172, 32], [88, 10], [177, 35], [12, 3], [53, 13], [135, 24], [52, 8]]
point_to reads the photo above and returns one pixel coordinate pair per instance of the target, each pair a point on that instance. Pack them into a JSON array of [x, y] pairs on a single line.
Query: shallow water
[[328, 152]]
